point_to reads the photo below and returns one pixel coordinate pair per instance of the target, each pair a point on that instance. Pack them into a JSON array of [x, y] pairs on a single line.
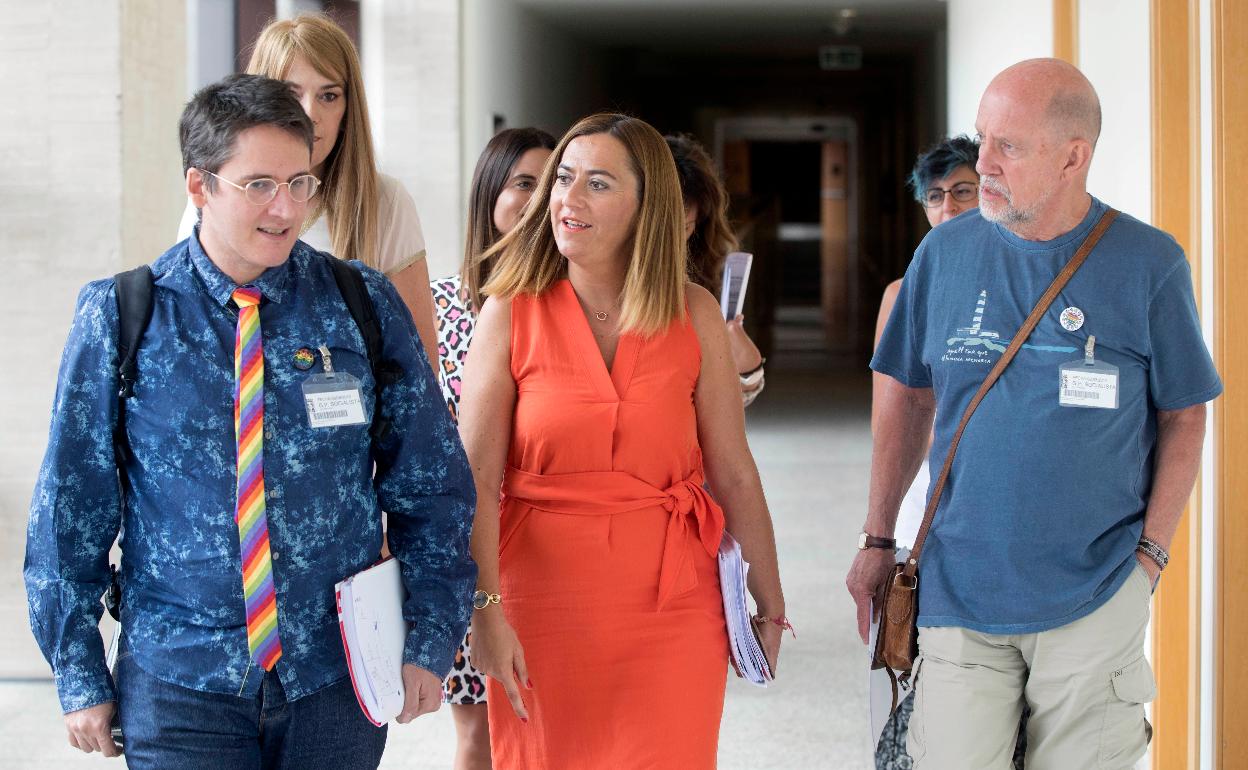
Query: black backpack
[[134, 313]]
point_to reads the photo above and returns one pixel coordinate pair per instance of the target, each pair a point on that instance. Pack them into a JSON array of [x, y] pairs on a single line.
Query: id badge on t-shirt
[[333, 398], [1088, 383]]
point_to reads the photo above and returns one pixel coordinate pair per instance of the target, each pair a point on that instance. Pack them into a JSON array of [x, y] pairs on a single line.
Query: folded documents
[[747, 653], [370, 617]]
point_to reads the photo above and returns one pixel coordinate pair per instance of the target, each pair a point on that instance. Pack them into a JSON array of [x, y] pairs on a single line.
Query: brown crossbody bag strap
[[1016, 344], [897, 638]]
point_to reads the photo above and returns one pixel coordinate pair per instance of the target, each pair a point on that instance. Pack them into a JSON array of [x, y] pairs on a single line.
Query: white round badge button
[[1072, 319]]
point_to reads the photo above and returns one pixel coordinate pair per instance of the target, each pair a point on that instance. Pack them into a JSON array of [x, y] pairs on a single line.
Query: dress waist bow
[[695, 519]]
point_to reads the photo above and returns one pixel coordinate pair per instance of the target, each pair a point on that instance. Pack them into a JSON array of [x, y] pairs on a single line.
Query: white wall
[[288, 9], [1114, 54], [210, 28], [1210, 598], [518, 65], [985, 37], [411, 52]]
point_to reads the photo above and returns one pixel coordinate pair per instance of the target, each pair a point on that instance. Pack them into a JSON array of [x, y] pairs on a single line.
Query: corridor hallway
[[810, 434]]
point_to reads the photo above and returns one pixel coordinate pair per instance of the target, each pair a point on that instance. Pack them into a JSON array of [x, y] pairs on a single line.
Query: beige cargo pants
[[1086, 683]]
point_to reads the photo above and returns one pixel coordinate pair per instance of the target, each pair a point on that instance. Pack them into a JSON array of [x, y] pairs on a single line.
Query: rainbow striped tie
[[253, 527]]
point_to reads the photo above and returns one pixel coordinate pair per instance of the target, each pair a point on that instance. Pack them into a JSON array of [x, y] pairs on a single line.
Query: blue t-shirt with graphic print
[[1044, 505]]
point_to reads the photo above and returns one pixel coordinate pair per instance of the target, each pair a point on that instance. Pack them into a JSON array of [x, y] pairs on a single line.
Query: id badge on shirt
[[1088, 383], [333, 398]]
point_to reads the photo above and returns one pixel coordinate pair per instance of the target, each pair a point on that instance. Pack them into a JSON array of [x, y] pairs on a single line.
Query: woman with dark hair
[[504, 180], [710, 239], [602, 403]]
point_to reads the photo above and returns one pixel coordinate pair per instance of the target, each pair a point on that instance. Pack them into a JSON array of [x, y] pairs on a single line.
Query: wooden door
[[834, 244]]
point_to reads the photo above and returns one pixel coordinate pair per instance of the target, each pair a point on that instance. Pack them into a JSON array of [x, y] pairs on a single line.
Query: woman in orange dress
[[601, 399]]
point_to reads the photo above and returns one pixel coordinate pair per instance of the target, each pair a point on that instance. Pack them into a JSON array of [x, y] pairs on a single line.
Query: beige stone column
[[90, 186]]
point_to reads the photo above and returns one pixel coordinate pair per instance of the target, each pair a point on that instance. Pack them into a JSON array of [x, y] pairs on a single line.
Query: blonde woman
[[601, 397], [358, 213]]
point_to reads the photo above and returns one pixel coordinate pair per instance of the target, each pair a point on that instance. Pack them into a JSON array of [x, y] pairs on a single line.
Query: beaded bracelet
[[781, 621], [1154, 551]]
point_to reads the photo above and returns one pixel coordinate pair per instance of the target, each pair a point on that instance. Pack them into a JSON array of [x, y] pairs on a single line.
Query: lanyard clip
[[327, 360], [1089, 354]]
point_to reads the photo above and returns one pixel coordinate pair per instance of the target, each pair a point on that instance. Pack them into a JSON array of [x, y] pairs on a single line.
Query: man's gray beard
[[1007, 216], [1010, 214]]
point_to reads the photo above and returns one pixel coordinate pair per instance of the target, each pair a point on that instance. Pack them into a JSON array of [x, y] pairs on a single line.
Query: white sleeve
[[400, 238], [190, 218]]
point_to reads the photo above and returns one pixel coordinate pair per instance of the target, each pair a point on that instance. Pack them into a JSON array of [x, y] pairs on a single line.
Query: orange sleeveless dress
[[607, 551]]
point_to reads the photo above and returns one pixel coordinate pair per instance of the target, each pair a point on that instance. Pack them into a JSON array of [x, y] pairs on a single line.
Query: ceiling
[[744, 25]]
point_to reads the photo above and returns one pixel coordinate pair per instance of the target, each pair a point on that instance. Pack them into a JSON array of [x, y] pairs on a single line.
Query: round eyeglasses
[[262, 191], [962, 192]]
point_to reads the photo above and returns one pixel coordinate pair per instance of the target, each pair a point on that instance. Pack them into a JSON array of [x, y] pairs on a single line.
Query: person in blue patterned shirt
[[187, 690]]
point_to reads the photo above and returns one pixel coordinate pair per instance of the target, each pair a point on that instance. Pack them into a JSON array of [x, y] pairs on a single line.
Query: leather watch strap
[[871, 541]]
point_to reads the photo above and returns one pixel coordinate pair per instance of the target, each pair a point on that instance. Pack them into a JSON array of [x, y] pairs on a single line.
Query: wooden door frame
[[1066, 30], [1229, 57], [1176, 209]]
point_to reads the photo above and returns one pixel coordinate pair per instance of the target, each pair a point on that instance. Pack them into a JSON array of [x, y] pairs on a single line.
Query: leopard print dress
[[465, 685]]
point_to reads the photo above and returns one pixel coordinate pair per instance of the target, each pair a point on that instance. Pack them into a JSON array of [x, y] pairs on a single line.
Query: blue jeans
[[167, 726]]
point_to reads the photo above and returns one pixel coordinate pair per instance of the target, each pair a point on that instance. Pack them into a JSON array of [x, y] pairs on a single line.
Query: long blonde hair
[[348, 191], [654, 286]]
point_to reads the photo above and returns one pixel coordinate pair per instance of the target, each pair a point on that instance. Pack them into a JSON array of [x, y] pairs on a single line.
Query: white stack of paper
[[370, 617], [747, 653], [736, 279]]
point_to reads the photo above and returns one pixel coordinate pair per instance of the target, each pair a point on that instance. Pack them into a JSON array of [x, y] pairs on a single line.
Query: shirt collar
[[1065, 240], [273, 283]]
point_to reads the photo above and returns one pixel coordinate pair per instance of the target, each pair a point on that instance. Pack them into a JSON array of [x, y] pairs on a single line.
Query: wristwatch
[[482, 599], [866, 541]]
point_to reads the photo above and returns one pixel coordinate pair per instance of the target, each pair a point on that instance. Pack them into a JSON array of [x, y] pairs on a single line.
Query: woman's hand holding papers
[[745, 354], [770, 636]]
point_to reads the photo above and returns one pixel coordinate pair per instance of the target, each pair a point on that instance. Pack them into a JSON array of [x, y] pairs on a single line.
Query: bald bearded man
[[1068, 484]]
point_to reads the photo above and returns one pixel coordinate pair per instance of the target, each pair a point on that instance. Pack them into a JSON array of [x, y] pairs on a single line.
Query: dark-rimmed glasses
[[262, 191], [962, 192]]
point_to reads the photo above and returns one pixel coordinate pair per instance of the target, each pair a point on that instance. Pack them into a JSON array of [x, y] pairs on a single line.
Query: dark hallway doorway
[[872, 76]]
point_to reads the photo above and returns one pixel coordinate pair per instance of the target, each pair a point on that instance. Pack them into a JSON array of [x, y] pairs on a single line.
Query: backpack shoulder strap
[[133, 289], [354, 292]]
